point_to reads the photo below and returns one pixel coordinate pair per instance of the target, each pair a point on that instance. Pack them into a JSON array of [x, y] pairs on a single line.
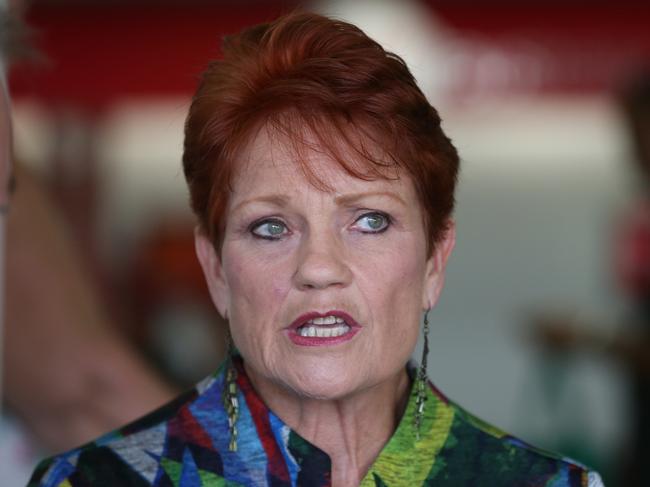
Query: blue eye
[[374, 222], [269, 229]]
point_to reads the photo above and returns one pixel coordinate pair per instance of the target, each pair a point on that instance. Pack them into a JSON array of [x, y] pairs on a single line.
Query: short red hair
[[308, 72]]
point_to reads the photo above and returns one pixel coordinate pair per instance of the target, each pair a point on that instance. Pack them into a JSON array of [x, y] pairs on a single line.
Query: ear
[[213, 271], [435, 273]]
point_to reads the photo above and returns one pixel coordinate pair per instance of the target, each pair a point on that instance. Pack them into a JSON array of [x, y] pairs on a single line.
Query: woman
[[323, 186]]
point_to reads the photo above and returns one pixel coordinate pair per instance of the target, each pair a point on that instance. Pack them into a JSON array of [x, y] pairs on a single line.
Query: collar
[[268, 448]]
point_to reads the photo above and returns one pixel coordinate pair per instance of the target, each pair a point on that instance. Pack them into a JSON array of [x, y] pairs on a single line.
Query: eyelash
[[257, 224], [383, 215]]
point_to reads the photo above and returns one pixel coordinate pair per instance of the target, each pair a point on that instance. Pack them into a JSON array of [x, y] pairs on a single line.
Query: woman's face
[[323, 290]]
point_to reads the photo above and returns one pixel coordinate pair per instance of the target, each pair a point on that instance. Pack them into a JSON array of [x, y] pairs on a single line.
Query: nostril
[[320, 264], [321, 277]]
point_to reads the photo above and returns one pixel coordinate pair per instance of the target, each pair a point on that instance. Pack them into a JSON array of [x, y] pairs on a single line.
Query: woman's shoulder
[[509, 458], [126, 456]]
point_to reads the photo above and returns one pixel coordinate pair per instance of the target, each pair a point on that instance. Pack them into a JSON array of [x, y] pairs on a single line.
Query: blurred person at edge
[[67, 376], [633, 267], [324, 186], [627, 342]]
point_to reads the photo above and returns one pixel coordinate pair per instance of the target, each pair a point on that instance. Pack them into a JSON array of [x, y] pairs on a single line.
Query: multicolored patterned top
[[185, 443]]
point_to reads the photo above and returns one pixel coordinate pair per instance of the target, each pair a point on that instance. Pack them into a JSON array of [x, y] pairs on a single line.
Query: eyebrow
[[345, 199], [274, 199], [354, 197]]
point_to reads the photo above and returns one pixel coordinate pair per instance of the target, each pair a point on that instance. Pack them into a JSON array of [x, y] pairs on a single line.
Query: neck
[[352, 430]]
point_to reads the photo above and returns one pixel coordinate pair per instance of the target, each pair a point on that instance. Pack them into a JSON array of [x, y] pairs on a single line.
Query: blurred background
[[541, 298]]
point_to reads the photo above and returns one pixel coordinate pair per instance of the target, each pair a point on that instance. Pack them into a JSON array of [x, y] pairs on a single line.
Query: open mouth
[[324, 327]]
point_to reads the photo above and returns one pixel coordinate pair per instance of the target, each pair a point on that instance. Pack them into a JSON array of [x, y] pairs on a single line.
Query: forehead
[[274, 161]]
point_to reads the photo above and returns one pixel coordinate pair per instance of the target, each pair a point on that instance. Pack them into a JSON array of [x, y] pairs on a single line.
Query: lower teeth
[[322, 332]]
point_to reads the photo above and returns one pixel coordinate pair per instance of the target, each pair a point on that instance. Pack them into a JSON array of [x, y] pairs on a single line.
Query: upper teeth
[[315, 331], [326, 320], [314, 328]]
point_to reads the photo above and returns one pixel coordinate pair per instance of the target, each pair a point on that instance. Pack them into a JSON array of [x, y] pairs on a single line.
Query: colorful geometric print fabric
[[185, 444]]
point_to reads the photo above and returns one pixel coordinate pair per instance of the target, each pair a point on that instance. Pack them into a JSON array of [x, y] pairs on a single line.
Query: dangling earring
[[229, 395], [421, 380]]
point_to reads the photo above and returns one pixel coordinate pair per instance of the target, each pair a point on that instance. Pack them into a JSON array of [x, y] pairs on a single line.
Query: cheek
[[391, 271], [256, 284], [392, 281], [402, 293]]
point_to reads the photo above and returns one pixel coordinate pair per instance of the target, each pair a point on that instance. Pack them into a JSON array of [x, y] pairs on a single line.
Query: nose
[[321, 263]]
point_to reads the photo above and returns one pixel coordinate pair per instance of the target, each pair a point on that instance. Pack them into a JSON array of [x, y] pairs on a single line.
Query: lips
[[328, 328]]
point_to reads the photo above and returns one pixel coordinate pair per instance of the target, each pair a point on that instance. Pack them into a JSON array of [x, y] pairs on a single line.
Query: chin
[[323, 384], [323, 392]]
